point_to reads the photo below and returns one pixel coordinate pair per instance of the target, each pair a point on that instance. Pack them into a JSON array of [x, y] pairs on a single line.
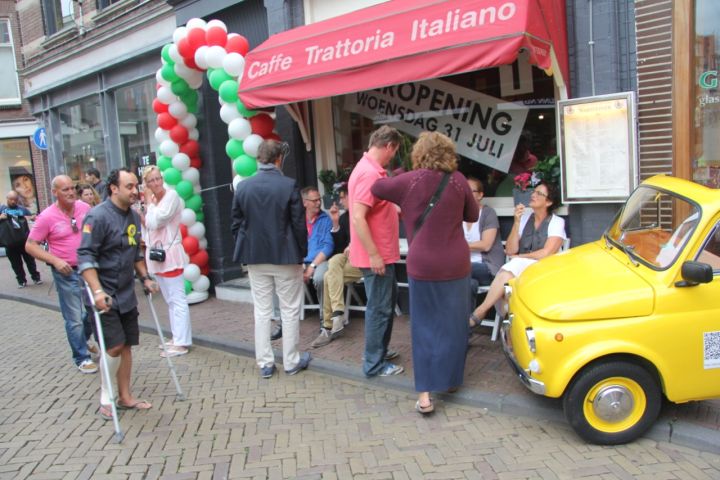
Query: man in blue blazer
[[268, 223]]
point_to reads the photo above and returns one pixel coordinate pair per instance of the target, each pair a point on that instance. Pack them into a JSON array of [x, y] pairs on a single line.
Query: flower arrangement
[[546, 170], [525, 180]]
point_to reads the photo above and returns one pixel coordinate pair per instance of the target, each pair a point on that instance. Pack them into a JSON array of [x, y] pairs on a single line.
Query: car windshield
[[654, 226]]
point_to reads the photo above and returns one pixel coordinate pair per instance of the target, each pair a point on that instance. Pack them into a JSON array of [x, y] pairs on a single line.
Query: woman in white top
[[534, 235], [483, 237]]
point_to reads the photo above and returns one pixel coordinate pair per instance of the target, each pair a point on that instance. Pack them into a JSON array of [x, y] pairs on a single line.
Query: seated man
[[339, 272]]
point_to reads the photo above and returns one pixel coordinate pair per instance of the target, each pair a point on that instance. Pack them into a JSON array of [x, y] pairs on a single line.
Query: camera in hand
[[157, 254]]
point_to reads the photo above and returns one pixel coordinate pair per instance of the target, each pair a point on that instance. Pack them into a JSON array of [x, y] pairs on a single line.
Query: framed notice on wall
[[598, 151]]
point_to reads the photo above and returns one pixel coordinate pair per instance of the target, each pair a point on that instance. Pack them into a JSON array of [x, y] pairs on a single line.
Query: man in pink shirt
[[374, 248], [59, 225]]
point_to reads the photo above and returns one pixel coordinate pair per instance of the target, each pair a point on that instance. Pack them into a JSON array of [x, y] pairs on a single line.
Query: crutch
[[119, 435], [180, 395]]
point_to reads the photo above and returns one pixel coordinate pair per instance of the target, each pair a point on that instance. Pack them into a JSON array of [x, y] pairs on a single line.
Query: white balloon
[[251, 144], [193, 134], [174, 54], [221, 101], [215, 56], [216, 23], [159, 79], [161, 135], [202, 243], [234, 64], [181, 161], [236, 181], [197, 230], [178, 110], [191, 272], [166, 96], [188, 216], [195, 23], [192, 175], [179, 34], [201, 284], [190, 121], [239, 129], [183, 71], [196, 81], [200, 59], [197, 189], [169, 148], [229, 112]]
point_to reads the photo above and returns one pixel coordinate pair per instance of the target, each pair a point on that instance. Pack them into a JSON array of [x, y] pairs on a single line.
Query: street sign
[[40, 138]]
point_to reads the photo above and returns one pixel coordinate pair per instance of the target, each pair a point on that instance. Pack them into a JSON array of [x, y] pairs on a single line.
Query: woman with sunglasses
[[536, 233]]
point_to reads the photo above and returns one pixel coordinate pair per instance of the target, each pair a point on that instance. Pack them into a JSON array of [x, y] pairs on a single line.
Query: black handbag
[[431, 203], [13, 231]]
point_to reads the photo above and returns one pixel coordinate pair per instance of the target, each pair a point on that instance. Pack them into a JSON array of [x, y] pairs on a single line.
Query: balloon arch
[[201, 48]]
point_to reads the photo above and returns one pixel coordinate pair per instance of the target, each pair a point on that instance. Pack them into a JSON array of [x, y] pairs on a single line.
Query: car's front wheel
[[612, 402]]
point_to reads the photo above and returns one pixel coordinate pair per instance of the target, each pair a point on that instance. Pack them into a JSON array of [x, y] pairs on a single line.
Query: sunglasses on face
[[73, 225]]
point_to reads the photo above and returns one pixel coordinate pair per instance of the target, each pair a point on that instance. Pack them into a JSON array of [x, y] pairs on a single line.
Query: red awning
[[402, 41]]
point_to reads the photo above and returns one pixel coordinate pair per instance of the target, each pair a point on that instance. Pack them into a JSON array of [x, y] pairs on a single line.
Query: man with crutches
[[108, 258]]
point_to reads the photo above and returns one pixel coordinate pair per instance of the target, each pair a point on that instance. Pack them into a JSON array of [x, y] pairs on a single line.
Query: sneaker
[[305, 358], [391, 369], [276, 332], [87, 366], [174, 351], [38, 282], [390, 354], [22, 285], [323, 339], [338, 325], [267, 372]]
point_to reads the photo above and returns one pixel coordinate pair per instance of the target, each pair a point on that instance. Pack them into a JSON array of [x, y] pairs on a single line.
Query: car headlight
[[530, 336]]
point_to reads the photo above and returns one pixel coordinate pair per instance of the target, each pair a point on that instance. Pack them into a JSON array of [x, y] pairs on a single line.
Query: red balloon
[[191, 245], [179, 134], [274, 136], [216, 36], [205, 269], [183, 230], [262, 124], [195, 162], [196, 38], [237, 43], [185, 49], [190, 62], [159, 107], [166, 121], [200, 258], [191, 148]]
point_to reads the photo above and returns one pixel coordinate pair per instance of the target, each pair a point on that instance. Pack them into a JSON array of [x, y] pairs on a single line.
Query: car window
[[710, 252]]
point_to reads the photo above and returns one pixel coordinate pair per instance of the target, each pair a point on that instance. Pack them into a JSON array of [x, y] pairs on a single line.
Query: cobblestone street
[[236, 425]]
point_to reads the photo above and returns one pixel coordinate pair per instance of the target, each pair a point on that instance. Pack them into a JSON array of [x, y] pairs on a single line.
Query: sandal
[[474, 321], [425, 410], [105, 412], [137, 405]]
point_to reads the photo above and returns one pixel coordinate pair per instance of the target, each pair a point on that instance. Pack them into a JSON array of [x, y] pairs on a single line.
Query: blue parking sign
[[40, 138]]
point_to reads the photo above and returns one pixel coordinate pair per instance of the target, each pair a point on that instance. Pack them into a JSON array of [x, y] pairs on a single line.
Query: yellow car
[[614, 325]]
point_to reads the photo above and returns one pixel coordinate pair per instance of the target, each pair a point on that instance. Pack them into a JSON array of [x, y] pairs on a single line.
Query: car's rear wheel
[[612, 403]]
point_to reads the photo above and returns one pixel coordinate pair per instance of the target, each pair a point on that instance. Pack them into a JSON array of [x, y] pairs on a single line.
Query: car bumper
[[533, 385]]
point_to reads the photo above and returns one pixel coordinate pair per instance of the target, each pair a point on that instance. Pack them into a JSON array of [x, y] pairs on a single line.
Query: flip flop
[[138, 405], [425, 410], [105, 412]]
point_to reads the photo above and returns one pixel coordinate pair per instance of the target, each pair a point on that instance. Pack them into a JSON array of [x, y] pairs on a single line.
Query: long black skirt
[[439, 313]]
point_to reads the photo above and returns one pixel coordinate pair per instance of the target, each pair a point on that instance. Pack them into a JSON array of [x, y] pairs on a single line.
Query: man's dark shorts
[[119, 329]]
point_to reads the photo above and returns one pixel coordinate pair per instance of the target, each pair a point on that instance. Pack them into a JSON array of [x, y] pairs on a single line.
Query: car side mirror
[[694, 273]]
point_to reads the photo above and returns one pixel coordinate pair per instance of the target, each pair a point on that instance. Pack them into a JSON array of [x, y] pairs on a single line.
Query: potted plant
[[548, 170], [328, 178], [524, 183]]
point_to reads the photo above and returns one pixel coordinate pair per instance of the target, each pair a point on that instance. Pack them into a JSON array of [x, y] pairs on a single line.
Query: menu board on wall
[[598, 148]]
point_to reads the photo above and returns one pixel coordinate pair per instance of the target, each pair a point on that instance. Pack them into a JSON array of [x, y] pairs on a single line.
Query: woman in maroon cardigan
[[438, 263]]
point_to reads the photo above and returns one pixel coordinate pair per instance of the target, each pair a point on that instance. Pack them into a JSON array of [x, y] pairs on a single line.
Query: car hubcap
[[613, 403]]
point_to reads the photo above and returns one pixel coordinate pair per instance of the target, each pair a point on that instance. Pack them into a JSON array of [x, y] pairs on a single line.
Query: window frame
[[10, 101]]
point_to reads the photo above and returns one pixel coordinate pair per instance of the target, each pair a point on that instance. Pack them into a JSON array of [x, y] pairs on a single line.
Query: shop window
[[57, 14], [497, 126], [706, 149], [9, 85], [82, 137], [16, 171], [136, 123]]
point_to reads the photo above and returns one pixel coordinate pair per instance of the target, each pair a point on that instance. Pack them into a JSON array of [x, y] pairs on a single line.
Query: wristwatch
[[313, 266], [146, 277]]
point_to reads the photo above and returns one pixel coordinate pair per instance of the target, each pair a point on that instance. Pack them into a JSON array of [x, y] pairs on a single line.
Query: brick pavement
[[235, 425], [489, 381]]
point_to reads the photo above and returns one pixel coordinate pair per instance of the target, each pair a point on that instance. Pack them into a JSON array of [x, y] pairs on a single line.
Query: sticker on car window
[[711, 350]]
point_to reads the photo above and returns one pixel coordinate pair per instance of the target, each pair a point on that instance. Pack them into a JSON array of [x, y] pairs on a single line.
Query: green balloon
[[234, 148], [245, 165], [229, 91], [163, 163], [165, 54], [172, 176], [244, 111], [168, 73], [179, 87], [189, 98], [184, 188], [209, 72], [194, 203], [200, 217], [192, 108], [188, 286], [218, 77]]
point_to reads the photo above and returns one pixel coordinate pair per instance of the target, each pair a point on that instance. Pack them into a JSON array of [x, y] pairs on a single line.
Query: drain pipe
[[591, 43], [81, 27]]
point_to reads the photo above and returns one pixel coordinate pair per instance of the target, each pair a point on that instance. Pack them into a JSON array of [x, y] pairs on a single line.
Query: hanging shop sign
[[484, 128]]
